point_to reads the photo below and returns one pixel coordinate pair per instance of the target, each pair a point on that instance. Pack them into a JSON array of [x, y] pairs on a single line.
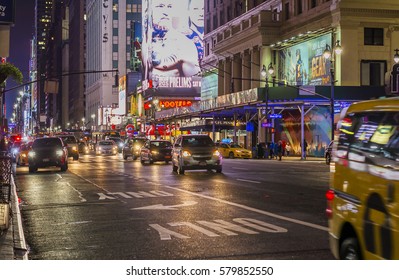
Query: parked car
[[46, 152], [106, 147], [132, 147], [234, 151], [328, 153], [83, 148], [118, 141], [72, 145], [191, 152], [156, 150], [22, 156]]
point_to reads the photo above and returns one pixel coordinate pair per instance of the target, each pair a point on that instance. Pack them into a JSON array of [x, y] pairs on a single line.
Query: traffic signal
[[116, 80], [272, 130]]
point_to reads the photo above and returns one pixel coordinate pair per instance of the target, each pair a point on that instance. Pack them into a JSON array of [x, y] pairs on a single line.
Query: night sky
[[21, 34]]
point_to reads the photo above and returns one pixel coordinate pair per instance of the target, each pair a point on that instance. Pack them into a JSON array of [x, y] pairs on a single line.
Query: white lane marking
[[79, 193], [59, 177], [266, 213], [165, 207], [72, 223], [250, 181], [239, 168]]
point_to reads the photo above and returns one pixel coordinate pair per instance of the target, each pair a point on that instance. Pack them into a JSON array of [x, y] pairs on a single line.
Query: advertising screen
[[172, 47], [304, 64]]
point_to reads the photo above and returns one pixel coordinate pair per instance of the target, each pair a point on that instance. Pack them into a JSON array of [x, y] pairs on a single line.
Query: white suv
[[192, 152]]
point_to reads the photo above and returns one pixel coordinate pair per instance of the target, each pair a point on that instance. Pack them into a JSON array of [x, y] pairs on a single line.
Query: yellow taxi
[[234, 151], [363, 199], [22, 155]]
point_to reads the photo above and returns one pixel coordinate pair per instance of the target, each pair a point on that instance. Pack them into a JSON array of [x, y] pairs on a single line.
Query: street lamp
[[265, 74], [93, 117], [328, 54], [396, 56]]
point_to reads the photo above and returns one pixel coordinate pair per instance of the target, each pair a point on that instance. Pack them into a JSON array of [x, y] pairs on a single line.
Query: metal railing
[[5, 177]]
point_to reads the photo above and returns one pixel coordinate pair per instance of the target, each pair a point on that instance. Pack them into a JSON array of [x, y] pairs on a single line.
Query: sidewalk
[[297, 158], [12, 240]]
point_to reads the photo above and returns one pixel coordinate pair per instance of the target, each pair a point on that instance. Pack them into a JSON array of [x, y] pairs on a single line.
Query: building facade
[[110, 27], [290, 37]]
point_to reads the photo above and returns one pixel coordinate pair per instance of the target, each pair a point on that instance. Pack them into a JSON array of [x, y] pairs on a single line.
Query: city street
[[108, 208]]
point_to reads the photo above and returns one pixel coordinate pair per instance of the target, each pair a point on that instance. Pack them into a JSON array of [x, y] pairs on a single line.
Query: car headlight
[[186, 154], [216, 153], [136, 147], [154, 152], [14, 150], [32, 154], [99, 148], [74, 148], [23, 155], [121, 145], [59, 152]]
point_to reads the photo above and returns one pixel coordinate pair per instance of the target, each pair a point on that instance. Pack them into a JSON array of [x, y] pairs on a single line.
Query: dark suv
[[46, 152], [72, 145], [192, 152]]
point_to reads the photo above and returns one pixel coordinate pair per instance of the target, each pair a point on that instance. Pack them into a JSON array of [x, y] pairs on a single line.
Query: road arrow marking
[[165, 207]]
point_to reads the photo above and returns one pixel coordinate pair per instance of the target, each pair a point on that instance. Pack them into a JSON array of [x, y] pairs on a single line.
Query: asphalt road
[[107, 208]]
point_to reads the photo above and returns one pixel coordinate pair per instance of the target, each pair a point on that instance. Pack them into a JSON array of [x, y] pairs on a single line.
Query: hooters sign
[[175, 103]]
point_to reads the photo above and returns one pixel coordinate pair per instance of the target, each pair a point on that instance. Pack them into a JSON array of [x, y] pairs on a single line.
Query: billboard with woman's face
[[304, 64], [172, 47]]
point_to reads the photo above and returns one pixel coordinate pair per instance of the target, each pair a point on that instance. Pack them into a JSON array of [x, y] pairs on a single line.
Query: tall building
[[109, 30], [43, 12], [74, 50]]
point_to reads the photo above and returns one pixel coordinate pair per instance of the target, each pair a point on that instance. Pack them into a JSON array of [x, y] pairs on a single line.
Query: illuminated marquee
[[175, 103]]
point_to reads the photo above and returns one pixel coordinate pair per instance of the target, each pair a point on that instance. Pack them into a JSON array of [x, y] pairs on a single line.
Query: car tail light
[[330, 197]]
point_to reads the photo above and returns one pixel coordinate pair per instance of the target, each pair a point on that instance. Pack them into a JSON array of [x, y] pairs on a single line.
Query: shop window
[[372, 72], [287, 10], [298, 7], [313, 3], [373, 36]]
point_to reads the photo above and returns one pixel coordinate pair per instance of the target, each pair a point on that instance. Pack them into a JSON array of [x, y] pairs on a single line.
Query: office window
[[287, 10], [372, 72], [229, 15], [114, 56], [115, 40], [115, 23], [313, 3], [214, 3], [221, 17], [136, 8], [128, 8], [374, 36], [298, 7], [215, 22]]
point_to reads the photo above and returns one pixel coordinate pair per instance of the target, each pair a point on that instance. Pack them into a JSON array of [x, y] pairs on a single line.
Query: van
[[363, 199]]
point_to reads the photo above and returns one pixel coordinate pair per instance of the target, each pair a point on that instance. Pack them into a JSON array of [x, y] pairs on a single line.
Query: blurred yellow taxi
[[363, 199], [234, 151], [22, 155]]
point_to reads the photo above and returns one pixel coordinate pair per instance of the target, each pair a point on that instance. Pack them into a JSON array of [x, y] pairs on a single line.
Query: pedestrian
[[3, 144], [288, 149], [271, 150], [305, 148], [275, 150], [279, 149], [284, 143], [260, 150]]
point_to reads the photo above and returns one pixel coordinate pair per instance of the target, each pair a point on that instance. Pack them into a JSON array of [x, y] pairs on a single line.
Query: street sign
[[275, 116], [267, 124]]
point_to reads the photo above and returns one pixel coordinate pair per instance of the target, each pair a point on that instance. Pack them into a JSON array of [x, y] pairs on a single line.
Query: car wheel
[[76, 157], [142, 160], [231, 155], [349, 249], [124, 157], [32, 169], [134, 157], [328, 159], [219, 170], [166, 161]]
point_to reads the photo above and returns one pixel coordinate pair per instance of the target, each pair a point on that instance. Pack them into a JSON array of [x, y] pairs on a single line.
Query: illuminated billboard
[[172, 47], [304, 64]]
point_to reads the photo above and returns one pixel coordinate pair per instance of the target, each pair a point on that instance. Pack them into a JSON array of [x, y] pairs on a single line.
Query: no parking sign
[[129, 129]]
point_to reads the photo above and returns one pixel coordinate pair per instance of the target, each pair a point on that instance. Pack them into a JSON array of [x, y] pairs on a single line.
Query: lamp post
[[93, 117], [265, 74], [328, 54]]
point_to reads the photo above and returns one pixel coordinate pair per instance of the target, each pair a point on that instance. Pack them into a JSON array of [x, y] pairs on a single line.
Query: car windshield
[[161, 144], [235, 146], [69, 139], [116, 140], [139, 141], [46, 142], [106, 143], [197, 141]]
